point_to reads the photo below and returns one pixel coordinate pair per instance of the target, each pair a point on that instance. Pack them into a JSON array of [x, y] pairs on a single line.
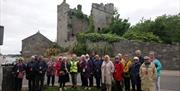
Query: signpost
[[1, 34]]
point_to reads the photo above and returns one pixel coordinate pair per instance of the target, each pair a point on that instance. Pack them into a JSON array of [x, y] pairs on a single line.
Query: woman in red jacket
[[58, 67], [118, 73]]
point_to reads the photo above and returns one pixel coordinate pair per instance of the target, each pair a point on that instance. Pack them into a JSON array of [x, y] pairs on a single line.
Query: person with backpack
[[158, 68], [118, 73], [50, 72], [18, 72], [30, 74]]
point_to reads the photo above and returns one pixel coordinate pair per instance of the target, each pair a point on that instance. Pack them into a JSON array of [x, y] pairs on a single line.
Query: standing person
[[107, 70], [126, 72], [64, 73], [74, 70], [134, 73], [30, 74], [139, 55], [97, 71], [90, 69], [83, 71], [50, 72], [41, 67], [118, 73], [58, 68], [18, 72], [158, 68], [148, 75]]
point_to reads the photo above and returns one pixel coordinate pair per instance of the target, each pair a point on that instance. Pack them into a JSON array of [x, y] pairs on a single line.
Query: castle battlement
[[108, 8]]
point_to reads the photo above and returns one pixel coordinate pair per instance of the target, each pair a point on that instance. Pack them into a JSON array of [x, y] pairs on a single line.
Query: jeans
[[50, 78], [31, 84], [74, 78], [127, 83], [18, 84], [158, 83], [118, 86]]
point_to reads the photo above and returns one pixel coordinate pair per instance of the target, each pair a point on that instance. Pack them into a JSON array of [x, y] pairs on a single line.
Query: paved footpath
[[170, 80]]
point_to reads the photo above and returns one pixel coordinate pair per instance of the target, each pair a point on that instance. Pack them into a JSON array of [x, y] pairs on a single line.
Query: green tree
[[166, 27], [118, 26]]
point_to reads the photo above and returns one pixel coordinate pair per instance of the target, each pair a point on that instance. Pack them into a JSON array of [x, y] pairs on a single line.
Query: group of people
[[139, 73]]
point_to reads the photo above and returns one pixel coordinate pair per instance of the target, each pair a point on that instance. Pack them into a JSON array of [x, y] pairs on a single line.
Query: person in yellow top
[[127, 65], [148, 75]]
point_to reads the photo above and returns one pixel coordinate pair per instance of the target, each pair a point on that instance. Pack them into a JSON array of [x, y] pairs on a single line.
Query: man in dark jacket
[[30, 74], [40, 68], [139, 55], [134, 73]]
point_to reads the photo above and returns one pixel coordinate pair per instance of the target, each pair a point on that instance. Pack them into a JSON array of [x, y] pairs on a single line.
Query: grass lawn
[[68, 89]]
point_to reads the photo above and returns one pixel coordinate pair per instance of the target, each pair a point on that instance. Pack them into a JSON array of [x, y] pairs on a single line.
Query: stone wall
[[169, 55]]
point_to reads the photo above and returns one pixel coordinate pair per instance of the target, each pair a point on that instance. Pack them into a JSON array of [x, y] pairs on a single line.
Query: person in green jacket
[[158, 68], [74, 70]]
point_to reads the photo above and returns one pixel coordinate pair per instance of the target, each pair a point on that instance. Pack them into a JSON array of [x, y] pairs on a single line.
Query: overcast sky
[[23, 18]]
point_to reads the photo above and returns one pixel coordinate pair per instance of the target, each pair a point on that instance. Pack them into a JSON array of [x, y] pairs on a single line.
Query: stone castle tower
[[69, 23], [102, 15], [72, 21]]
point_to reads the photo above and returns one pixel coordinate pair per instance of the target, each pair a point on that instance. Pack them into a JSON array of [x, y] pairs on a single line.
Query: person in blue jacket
[[158, 68], [134, 74]]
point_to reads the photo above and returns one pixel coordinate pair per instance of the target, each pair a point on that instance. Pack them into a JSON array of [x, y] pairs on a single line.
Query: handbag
[[20, 75]]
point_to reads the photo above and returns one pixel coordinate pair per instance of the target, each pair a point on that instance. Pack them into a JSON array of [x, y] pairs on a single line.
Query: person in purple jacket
[[83, 71], [90, 71]]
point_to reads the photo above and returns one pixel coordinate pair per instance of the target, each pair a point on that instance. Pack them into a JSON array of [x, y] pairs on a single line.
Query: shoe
[[89, 88], [65, 88], [86, 88], [60, 89]]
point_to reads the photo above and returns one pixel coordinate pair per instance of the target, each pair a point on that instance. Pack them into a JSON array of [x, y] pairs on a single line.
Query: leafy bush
[[141, 36], [166, 27], [79, 48], [95, 37]]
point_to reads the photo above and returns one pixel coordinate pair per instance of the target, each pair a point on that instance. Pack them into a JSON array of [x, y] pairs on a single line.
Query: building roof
[[35, 35]]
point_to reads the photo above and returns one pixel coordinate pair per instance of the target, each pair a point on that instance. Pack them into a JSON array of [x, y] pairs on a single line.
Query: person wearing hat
[[134, 74], [148, 75], [18, 72]]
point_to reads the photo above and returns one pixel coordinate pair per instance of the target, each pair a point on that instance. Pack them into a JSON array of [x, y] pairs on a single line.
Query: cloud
[[22, 18]]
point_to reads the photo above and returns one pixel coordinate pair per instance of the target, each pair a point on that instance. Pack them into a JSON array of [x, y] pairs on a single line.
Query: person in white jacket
[[107, 69]]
